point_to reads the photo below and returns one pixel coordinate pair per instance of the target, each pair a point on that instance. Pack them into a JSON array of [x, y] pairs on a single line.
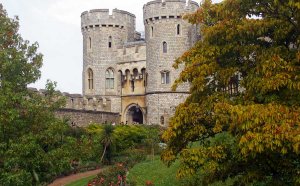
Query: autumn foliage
[[252, 136]]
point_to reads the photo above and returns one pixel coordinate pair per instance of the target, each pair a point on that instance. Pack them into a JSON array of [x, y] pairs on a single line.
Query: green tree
[[257, 41], [106, 141], [30, 135]]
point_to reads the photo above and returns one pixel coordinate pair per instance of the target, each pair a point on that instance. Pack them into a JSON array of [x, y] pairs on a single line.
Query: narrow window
[[132, 85], [151, 31], [109, 76], [135, 73], [109, 42], [178, 29], [144, 76], [165, 47], [90, 79], [233, 87], [162, 120], [90, 42], [122, 78], [165, 77]]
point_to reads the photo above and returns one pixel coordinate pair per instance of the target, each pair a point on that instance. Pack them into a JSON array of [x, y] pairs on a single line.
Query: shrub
[[131, 157], [129, 136], [115, 175]]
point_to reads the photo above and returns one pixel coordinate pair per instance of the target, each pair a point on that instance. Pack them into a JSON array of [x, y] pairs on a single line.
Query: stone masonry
[[81, 111], [82, 118], [126, 74]]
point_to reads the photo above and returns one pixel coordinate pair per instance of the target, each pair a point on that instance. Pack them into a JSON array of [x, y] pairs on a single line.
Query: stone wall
[[82, 118], [83, 110], [163, 105]]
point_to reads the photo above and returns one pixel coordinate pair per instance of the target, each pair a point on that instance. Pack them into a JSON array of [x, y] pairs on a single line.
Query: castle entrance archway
[[135, 115]]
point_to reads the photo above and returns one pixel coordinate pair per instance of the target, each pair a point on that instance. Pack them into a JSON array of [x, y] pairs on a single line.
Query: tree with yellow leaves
[[241, 120]]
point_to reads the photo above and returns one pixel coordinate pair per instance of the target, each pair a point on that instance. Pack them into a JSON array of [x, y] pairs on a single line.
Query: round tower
[[167, 36], [103, 33]]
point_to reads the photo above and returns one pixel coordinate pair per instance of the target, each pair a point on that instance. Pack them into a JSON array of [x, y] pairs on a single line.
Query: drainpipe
[[121, 98], [158, 110]]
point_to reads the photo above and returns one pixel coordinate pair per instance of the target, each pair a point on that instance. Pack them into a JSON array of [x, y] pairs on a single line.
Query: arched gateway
[[134, 114]]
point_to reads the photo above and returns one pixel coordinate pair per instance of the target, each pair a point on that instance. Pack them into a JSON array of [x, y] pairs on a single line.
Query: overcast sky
[[55, 25]]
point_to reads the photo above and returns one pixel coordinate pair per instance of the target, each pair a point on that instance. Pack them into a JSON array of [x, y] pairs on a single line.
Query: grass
[[154, 171], [81, 182]]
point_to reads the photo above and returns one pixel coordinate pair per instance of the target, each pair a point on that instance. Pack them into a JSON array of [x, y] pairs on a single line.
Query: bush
[[131, 156], [114, 175], [129, 136]]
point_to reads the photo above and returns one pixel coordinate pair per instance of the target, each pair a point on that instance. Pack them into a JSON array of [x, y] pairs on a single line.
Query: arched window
[[162, 120], [90, 79], [233, 86], [165, 77], [109, 76], [90, 42], [178, 29], [127, 74], [135, 73], [109, 42], [165, 47]]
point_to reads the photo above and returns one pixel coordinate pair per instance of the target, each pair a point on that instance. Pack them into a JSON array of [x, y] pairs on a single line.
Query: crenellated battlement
[[98, 18], [167, 9], [187, 2], [79, 102], [132, 73]]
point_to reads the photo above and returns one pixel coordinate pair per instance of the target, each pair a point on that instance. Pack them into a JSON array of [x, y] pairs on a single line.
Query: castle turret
[[167, 37], [103, 34]]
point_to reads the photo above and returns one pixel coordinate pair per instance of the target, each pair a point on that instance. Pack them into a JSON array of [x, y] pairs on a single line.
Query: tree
[[106, 141], [252, 136], [30, 135]]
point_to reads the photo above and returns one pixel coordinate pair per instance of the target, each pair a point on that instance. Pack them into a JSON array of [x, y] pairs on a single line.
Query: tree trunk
[[103, 153]]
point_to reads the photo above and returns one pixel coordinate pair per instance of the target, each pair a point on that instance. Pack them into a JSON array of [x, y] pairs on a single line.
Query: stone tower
[[103, 33], [167, 37]]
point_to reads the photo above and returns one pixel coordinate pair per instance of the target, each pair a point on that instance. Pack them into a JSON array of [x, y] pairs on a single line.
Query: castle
[[130, 75]]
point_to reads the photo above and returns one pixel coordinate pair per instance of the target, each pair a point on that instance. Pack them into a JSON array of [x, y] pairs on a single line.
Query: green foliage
[[106, 141], [114, 175], [258, 41], [35, 146], [131, 156], [128, 144], [94, 129], [128, 136]]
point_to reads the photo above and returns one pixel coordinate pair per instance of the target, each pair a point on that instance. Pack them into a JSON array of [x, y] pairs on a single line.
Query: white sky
[[55, 25]]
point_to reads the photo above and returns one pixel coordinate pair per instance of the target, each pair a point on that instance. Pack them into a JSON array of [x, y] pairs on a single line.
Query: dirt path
[[66, 180]]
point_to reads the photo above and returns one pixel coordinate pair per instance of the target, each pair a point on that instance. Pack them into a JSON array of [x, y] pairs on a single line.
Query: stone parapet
[[83, 118], [168, 9], [101, 18], [80, 102]]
